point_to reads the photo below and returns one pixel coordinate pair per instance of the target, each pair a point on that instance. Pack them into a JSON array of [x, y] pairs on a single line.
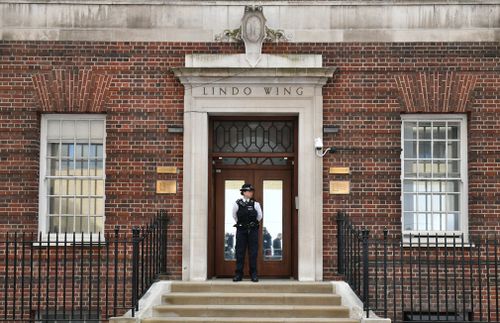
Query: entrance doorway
[[260, 151]]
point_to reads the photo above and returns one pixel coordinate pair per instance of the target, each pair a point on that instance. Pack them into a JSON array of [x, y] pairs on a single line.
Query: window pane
[[81, 224], [85, 206], [99, 206], [53, 150], [452, 222], [68, 129], [67, 223], [97, 129], [97, 187], [453, 149], [410, 168], [53, 187], [439, 130], [437, 203], [408, 221], [409, 201], [67, 168], [273, 221], [82, 150], [439, 149], [53, 129], [82, 129], [410, 149], [67, 205], [53, 205], [53, 167], [421, 221], [453, 169], [231, 194], [409, 186], [452, 202], [424, 149], [424, 130], [253, 136], [96, 151], [82, 168], [54, 224], [425, 169], [67, 150], [410, 130], [453, 130], [98, 224], [439, 169]]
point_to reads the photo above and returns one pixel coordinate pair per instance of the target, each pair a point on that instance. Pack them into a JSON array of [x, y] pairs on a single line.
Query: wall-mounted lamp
[[175, 129], [331, 129]]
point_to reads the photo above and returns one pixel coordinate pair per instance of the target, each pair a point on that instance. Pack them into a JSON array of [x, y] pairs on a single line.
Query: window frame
[[463, 228], [43, 230]]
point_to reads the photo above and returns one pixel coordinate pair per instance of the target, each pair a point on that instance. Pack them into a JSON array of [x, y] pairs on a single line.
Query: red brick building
[[111, 112]]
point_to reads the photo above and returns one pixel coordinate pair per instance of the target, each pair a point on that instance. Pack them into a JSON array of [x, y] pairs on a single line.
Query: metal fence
[[423, 278], [77, 277]]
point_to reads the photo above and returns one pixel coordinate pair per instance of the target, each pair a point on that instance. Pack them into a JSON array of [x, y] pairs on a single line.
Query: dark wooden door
[[273, 190]]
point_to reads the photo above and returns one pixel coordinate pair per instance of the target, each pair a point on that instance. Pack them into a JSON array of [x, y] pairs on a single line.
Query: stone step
[[251, 287], [261, 311], [246, 320], [226, 298]]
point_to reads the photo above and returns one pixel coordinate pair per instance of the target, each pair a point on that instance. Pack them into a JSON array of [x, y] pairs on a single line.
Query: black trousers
[[246, 238]]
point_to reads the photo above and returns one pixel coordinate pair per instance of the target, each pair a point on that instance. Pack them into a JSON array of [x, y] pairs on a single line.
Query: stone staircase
[[264, 302]]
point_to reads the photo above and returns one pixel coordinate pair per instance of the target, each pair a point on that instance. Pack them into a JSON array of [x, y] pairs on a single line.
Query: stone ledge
[[198, 21]]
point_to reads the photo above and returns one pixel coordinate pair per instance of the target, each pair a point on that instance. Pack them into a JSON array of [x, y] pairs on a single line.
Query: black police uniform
[[247, 229]]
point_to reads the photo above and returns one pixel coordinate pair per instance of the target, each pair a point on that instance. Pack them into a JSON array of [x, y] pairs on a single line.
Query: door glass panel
[[231, 194], [272, 228]]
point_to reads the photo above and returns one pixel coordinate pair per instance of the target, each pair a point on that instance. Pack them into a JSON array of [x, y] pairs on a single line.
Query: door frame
[[211, 185], [307, 104]]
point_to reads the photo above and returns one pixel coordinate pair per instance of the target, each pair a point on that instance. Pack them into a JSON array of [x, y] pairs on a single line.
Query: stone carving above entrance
[[253, 32]]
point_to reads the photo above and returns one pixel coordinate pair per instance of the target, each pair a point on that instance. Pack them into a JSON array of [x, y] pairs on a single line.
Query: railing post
[[163, 241], [340, 243], [135, 269], [385, 271], [366, 298]]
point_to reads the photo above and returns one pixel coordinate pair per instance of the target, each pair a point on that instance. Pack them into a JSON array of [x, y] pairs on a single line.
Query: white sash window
[[434, 174], [72, 163]]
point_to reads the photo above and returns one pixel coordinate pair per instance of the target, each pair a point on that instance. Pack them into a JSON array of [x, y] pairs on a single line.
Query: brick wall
[[132, 84]]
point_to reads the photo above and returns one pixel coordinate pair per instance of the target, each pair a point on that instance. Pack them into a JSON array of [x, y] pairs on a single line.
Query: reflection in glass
[[272, 220], [231, 194]]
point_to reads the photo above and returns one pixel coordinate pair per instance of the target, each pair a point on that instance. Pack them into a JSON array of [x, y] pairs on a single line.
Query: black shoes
[[238, 278]]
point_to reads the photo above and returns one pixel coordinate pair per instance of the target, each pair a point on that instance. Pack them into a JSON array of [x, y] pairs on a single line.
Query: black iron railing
[[79, 277], [423, 278]]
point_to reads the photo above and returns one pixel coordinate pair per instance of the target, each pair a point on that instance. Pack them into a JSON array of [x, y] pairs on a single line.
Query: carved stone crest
[[253, 32]]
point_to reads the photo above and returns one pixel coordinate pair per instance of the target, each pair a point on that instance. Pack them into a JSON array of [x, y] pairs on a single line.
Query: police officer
[[247, 213]]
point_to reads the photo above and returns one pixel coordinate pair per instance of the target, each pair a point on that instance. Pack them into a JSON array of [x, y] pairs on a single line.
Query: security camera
[[318, 145]]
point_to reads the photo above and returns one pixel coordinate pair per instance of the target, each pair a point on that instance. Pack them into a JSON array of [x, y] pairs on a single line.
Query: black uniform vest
[[246, 212]]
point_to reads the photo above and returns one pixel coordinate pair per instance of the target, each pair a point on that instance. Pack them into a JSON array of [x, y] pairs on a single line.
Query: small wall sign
[[340, 187], [340, 170], [166, 170], [166, 187]]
